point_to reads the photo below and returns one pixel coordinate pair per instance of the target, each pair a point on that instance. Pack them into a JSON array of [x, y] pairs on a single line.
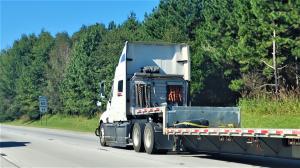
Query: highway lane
[[41, 147]]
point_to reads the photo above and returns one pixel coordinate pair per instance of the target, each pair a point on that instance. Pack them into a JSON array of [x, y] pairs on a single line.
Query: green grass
[[74, 123], [270, 113]]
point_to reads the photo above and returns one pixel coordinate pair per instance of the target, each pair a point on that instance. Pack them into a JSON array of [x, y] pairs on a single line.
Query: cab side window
[[120, 86]]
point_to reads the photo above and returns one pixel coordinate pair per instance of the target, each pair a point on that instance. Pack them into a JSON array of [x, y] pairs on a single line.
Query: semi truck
[[149, 108]]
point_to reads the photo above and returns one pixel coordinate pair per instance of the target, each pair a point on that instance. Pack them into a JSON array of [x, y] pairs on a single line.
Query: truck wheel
[[137, 137], [149, 139], [101, 135]]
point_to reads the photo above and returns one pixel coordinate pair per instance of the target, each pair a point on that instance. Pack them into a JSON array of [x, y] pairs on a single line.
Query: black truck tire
[[101, 135], [149, 139], [137, 137]]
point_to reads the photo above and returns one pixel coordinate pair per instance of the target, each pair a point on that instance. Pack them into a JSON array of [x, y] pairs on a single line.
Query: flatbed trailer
[[283, 143], [292, 134]]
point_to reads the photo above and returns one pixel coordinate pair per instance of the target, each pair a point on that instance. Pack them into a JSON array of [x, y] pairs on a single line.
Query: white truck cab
[[171, 59]]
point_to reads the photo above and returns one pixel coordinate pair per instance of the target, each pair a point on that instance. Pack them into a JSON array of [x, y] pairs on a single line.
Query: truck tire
[[149, 139], [137, 137], [101, 135]]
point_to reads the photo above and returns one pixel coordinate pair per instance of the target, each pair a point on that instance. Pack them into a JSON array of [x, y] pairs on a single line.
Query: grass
[[264, 112], [74, 123]]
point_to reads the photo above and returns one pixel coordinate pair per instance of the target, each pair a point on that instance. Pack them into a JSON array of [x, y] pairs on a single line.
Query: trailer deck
[[241, 132]]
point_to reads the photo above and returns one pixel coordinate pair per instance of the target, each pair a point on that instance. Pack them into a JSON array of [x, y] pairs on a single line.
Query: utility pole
[[275, 63], [297, 76]]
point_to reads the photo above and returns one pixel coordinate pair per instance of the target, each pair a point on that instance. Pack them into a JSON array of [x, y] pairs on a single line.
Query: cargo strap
[[191, 124], [227, 126]]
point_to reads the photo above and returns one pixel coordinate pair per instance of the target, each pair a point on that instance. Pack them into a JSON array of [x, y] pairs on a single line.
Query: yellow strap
[[192, 124], [226, 126]]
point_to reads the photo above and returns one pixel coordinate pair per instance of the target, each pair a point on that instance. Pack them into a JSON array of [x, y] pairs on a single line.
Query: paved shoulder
[[6, 163]]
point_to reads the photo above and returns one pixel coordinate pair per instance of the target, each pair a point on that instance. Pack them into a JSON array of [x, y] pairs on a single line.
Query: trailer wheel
[[149, 139], [137, 137], [101, 135]]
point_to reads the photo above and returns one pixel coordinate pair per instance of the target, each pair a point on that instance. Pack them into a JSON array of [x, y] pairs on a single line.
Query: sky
[[26, 17]]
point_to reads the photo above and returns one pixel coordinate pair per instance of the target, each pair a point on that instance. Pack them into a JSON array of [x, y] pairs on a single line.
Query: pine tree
[[80, 86], [56, 70], [32, 81]]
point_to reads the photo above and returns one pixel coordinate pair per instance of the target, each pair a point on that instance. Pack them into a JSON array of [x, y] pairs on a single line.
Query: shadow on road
[[241, 159], [126, 148], [8, 144], [252, 160]]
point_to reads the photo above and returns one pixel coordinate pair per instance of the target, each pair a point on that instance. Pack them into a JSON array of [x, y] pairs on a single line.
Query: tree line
[[231, 43]]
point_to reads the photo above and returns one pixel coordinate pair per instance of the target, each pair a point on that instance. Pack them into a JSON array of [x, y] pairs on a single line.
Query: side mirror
[[102, 89], [99, 104]]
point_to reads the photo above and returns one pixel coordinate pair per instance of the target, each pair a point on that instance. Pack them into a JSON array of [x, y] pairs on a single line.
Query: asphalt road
[[39, 147]]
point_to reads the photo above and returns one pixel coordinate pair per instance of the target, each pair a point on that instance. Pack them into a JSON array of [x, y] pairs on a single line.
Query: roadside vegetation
[[57, 121], [232, 58], [266, 111]]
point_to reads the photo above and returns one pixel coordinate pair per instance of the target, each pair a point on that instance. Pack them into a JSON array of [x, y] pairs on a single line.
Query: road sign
[[43, 104]]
